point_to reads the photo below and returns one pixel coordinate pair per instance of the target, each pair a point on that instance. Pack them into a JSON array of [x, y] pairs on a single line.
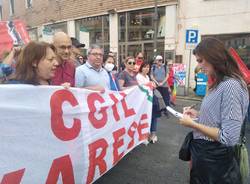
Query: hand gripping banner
[[53, 135]]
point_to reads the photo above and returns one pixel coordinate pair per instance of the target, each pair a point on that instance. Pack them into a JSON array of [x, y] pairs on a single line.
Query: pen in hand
[[193, 106], [193, 115], [185, 109]]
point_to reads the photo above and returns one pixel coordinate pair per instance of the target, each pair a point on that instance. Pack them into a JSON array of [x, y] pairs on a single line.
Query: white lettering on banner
[[201, 83], [53, 135]]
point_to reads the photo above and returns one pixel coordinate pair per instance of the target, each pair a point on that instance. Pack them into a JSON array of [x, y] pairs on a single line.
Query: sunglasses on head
[[131, 63]]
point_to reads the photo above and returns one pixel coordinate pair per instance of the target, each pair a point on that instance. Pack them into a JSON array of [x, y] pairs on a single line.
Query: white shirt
[[141, 79]]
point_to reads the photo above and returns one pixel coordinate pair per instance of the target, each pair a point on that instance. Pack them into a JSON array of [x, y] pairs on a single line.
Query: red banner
[[12, 33], [243, 68]]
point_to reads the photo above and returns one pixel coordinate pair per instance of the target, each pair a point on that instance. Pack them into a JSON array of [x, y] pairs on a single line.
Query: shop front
[[136, 33], [94, 30], [130, 32], [239, 41], [49, 30], [33, 34]]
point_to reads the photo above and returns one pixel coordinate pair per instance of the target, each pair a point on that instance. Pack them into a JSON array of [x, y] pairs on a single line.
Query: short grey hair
[[94, 46]]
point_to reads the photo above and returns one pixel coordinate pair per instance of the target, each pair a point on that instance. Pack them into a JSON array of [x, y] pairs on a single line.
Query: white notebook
[[174, 112]]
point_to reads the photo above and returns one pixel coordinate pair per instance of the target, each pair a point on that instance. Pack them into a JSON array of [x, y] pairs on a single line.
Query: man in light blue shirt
[[91, 75]]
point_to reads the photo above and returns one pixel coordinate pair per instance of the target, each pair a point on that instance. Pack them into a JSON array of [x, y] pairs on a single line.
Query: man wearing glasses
[[92, 75], [65, 72]]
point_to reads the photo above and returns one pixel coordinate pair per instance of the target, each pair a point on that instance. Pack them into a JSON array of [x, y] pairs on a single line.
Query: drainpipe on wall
[[155, 28]]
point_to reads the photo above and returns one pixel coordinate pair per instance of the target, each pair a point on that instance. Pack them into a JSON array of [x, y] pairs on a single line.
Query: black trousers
[[165, 94]]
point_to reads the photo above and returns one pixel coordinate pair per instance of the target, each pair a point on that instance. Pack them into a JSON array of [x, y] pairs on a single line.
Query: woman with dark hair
[[143, 78], [36, 64], [219, 120]]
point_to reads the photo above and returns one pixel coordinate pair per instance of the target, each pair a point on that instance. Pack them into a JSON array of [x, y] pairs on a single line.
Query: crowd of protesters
[[218, 122], [62, 63]]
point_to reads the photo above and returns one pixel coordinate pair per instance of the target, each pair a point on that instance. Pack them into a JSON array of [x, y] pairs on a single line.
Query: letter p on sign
[[192, 36]]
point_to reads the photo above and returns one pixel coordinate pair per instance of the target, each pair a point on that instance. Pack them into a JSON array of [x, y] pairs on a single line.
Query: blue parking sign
[[191, 36]]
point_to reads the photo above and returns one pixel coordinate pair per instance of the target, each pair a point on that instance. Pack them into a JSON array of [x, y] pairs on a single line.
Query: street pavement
[[157, 163]]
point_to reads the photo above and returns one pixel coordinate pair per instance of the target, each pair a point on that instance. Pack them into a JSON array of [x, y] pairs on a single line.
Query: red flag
[[243, 68], [12, 33]]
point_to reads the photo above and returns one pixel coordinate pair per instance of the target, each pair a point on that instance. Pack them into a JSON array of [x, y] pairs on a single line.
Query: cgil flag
[[12, 33]]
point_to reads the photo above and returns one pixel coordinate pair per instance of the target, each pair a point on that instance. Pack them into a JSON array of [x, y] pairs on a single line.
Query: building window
[[136, 31], [33, 34], [122, 26], [94, 30], [141, 24], [12, 7], [243, 41], [28, 3], [1, 14], [53, 28], [236, 41]]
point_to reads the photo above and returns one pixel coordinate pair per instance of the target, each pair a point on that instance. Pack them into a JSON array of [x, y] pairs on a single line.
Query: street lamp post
[[155, 27]]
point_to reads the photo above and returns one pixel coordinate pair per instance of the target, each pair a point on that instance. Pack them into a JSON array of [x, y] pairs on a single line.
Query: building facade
[[227, 20], [127, 27], [124, 27]]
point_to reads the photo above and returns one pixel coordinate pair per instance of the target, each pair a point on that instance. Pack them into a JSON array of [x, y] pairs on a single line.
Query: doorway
[[147, 47]]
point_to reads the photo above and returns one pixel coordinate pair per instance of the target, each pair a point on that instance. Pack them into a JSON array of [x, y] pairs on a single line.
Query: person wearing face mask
[[109, 65]]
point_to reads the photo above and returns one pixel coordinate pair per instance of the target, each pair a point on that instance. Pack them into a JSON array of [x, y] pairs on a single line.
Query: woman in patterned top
[[220, 117], [127, 77]]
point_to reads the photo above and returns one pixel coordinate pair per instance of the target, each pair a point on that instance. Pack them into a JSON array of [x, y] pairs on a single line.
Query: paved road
[[156, 163]]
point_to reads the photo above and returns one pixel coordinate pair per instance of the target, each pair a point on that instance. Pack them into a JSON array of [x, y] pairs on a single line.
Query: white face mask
[[109, 66]]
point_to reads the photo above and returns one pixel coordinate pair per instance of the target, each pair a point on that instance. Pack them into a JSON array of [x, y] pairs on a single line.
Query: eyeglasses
[[97, 54], [140, 57], [131, 63]]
